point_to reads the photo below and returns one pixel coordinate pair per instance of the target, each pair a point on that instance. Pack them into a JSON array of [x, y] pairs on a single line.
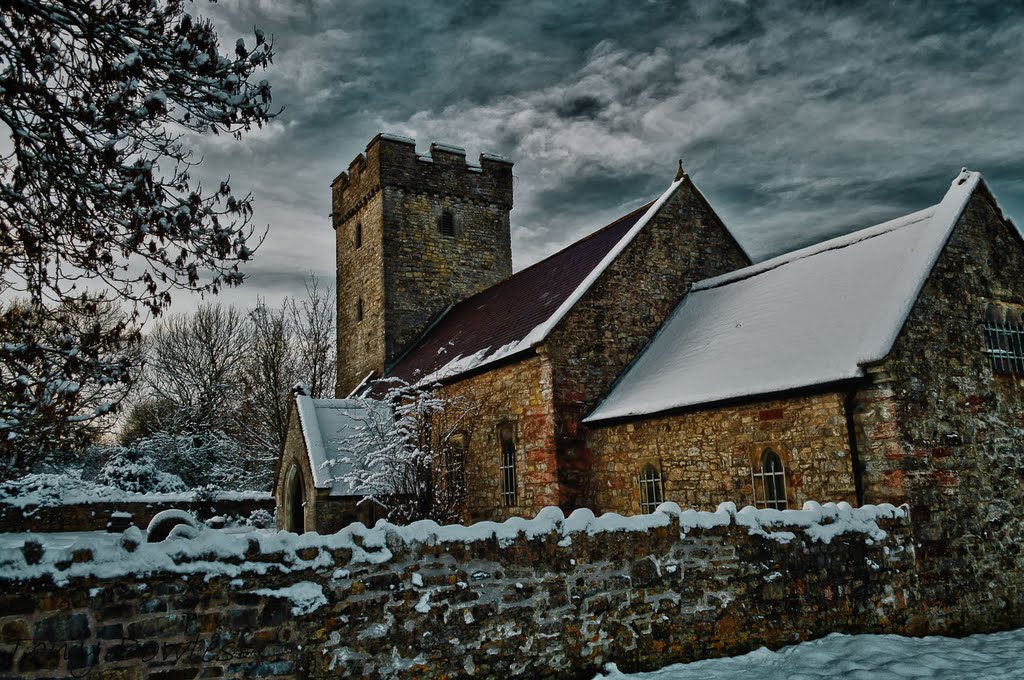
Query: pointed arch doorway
[[295, 496]]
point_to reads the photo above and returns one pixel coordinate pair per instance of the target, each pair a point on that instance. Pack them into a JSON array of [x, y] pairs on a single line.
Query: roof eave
[[837, 385]]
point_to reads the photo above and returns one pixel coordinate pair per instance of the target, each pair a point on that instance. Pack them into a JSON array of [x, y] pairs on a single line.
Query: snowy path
[[999, 656]]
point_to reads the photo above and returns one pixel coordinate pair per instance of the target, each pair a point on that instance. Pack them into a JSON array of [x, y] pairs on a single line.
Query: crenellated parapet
[[415, 232], [392, 160]]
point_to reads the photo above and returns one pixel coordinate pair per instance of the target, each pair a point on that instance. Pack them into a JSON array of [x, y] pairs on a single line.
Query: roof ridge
[[842, 241], [575, 243], [533, 328], [539, 333], [835, 243], [917, 249]]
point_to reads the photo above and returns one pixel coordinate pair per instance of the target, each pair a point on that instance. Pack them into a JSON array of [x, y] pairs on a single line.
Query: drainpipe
[[851, 433]]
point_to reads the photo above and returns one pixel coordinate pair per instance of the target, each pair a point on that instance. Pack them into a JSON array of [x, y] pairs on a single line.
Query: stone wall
[[406, 271], [705, 457], [938, 429], [520, 394], [544, 598], [684, 242], [360, 275], [94, 516], [294, 455]]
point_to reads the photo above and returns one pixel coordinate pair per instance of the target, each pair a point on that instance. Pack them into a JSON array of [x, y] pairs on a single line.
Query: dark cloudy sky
[[798, 121]]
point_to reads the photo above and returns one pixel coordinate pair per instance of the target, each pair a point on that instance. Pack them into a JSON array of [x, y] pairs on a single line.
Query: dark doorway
[[294, 502]]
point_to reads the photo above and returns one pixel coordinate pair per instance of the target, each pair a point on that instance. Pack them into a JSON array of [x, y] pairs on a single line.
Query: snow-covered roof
[[334, 430], [810, 317], [518, 313]]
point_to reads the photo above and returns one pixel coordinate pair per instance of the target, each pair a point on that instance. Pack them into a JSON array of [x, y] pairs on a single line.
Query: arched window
[[359, 309], [769, 482], [446, 224], [294, 502], [358, 238], [455, 467], [507, 442], [651, 492]]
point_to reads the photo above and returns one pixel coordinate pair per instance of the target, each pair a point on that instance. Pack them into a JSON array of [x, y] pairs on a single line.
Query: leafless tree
[[313, 326], [190, 415], [273, 369], [408, 453], [218, 381], [196, 361]]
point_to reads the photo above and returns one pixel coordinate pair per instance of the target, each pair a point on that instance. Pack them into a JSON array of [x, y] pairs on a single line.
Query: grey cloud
[[798, 120]]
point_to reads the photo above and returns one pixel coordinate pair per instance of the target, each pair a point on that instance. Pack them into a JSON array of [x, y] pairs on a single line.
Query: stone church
[[652, 361]]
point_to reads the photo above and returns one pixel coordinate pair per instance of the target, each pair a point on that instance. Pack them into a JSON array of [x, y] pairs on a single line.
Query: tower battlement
[[392, 160], [415, 233]]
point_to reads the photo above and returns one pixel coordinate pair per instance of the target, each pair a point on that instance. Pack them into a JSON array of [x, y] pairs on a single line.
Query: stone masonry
[[706, 457], [406, 271], [321, 511], [939, 429], [95, 516], [684, 242], [553, 602], [519, 394]]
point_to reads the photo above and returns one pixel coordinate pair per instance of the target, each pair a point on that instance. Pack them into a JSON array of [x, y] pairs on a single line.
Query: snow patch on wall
[[306, 596]]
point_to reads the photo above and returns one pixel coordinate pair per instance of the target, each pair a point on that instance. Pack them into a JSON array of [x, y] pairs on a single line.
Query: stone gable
[[938, 429], [683, 243]]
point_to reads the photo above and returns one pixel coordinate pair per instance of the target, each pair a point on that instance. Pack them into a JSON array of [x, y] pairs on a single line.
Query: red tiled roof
[[506, 312]]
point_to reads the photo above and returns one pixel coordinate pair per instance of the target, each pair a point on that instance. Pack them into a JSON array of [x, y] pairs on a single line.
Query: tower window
[[446, 224], [770, 482], [358, 237], [508, 465], [1004, 337], [359, 309], [652, 494]]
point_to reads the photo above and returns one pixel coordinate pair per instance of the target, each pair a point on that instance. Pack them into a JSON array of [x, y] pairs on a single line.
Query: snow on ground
[[998, 656], [53, 490]]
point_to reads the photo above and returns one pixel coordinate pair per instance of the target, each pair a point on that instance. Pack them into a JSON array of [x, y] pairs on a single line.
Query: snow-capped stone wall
[[74, 513], [551, 596]]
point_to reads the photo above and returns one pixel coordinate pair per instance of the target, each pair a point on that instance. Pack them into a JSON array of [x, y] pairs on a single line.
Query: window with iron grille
[[769, 482], [508, 464], [1004, 337], [455, 466], [447, 223], [651, 492]]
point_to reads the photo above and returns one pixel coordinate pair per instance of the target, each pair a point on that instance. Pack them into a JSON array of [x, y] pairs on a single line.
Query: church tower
[[415, 233]]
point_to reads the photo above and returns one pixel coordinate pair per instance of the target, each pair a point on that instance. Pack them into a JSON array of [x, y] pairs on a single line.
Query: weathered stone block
[[62, 627]]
